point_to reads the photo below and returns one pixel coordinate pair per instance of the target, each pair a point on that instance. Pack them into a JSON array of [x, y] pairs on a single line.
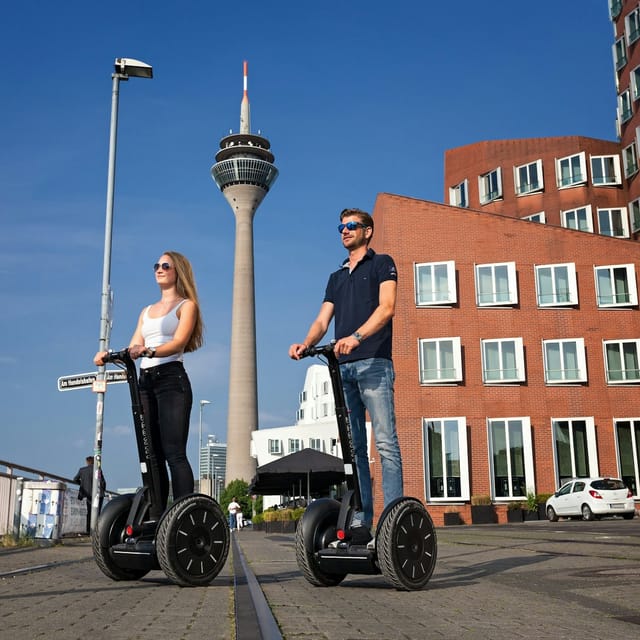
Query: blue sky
[[357, 98]]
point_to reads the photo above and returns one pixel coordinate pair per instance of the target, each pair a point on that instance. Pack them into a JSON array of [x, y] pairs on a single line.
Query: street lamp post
[[124, 68], [202, 403]]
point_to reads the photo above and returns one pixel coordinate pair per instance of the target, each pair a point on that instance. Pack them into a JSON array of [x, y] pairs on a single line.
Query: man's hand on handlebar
[[296, 351]]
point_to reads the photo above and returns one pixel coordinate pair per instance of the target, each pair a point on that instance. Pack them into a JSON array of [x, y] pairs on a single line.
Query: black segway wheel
[[109, 531], [192, 541], [315, 531], [406, 545]]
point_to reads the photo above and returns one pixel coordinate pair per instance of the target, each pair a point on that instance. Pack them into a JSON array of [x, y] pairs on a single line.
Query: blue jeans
[[368, 385], [165, 392]]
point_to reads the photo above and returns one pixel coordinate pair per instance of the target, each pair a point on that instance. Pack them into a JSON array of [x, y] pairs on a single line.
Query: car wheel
[[552, 516], [628, 516], [587, 514]]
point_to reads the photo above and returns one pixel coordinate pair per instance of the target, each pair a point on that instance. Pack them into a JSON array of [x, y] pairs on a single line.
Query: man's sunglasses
[[165, 266], [351, 225]]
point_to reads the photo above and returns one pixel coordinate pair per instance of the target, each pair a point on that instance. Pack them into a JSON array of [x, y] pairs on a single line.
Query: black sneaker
[[360, 535]]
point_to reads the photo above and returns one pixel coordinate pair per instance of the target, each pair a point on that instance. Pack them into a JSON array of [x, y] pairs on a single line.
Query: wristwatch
[[358, 336], [151, 352]]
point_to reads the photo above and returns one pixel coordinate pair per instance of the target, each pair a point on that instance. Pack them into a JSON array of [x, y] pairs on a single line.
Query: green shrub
[[480, 500]]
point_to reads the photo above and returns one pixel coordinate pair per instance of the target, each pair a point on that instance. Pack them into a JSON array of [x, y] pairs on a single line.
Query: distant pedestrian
[[234, 508], [84, 478]]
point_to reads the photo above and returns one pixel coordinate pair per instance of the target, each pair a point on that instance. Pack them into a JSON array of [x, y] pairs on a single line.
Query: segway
[[135, 534], [328, 547]]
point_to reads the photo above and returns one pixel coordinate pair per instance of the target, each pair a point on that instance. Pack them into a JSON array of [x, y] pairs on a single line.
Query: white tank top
[[158, 331]]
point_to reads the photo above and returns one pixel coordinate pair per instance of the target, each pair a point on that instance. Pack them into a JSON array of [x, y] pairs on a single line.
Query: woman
[[166, 330]]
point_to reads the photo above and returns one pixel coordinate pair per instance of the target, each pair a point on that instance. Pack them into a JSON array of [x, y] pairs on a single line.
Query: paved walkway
[[535, 580]]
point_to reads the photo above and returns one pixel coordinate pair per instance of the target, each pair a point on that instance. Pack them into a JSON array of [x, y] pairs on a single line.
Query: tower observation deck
[[244, 172]]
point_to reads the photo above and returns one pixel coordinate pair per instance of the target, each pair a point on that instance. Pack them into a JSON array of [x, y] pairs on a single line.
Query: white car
[[591, 498]]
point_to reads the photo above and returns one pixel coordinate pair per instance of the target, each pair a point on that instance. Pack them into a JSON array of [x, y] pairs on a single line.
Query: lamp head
[[203, 402], [133, 68]]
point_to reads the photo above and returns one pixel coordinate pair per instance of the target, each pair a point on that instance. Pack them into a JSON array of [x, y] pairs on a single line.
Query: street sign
[[83, 380]]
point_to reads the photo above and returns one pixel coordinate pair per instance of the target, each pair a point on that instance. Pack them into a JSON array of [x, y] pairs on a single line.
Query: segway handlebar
[[118, 356], [318, 350]]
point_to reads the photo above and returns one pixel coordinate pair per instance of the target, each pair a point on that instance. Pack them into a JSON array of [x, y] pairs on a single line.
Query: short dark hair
[[363, 216]]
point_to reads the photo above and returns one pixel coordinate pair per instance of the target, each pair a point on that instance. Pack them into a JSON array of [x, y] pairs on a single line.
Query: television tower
[[244, 172]]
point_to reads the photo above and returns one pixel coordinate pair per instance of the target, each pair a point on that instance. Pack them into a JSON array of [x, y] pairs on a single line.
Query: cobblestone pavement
[[534, 580]]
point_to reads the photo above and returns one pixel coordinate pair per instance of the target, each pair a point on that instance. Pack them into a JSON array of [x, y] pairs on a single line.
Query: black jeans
[[166, 397]]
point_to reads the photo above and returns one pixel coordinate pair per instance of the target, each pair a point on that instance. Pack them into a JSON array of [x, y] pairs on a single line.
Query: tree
[[239, 489]]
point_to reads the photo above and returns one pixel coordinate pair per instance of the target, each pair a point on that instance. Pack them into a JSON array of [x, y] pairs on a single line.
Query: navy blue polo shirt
[[355, 296]]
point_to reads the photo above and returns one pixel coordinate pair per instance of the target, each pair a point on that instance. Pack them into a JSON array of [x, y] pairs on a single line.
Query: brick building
[[517, 331]]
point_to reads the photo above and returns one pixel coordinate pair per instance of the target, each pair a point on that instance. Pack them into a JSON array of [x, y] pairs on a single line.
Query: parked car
[[591, 498]]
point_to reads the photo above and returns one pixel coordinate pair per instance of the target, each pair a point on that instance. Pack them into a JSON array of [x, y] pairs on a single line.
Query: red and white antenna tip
[[245, 73]]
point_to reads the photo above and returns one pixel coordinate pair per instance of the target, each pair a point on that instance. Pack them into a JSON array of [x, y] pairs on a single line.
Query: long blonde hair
[[186, 288]]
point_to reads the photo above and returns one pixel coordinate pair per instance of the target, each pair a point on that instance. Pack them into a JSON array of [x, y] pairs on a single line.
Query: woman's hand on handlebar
[[99, 358], [137, 350]]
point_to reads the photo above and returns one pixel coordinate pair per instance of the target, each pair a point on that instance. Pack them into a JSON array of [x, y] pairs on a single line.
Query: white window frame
[[609, 170], [634, 215], [527, 450], [592, 447], [540, 217], [525, 187], [295, 445], [570, 219], [518, 352], [627, 375], [555, 277], [634, 83], [631, 477], [619, 49], [599, 271], [459, 194], [315, 444], [610, 219], [615, 7], [490, 186], [433, 274], [625, 106], [455, 428], [568, 375], [445, 347], [630, 160], [632, 26], [576, 175], [490, 298], [275, 446]]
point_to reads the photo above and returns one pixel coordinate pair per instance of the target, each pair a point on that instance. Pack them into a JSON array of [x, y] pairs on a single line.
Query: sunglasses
[[165, 266], [351, 225]]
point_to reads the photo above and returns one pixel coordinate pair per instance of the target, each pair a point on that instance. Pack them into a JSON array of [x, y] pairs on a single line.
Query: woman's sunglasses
[[165, 266]]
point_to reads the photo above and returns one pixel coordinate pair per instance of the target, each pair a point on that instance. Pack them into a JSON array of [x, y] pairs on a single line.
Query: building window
[[435, 283], [630, 160], [490, 186], [440, 360], [299, 415], [447, 459], [295, 444], [325, 388], [496, 284], [605, 170], [634, 214], [579, 219], [536, 217], [632, 26], [315, 444], [459, 195], [502, 360], [628, 439], [625, 110], [574, 448], [528, 178], [303, 396], [571, 170], [556, 284], [616, 286], [634, 83], [564, 361], [621, 361], [275, 447], [619, 53], [613, 222], [615, 7], [512, 457]]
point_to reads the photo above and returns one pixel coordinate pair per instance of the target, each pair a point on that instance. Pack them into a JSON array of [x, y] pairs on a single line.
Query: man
[[234, 508], [360, 297], [84, 478]]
